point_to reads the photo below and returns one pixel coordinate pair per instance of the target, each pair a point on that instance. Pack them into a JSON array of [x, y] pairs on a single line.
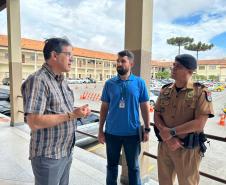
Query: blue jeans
[[132, 150], [51, 171]]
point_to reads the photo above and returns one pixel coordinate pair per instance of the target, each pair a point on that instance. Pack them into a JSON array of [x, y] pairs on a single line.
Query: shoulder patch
[[208, 96], [166, 85], [197, 84]]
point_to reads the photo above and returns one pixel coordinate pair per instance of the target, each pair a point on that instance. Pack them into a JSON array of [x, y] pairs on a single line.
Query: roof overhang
[[2, 5]]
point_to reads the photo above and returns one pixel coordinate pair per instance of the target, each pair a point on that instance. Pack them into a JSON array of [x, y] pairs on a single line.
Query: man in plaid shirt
[[49, 112]]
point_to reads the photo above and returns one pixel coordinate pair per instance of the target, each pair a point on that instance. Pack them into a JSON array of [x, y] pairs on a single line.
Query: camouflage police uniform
[[175, 109]]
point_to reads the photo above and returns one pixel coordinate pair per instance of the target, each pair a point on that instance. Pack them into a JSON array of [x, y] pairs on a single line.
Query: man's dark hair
[[54, 44], [127, 53]]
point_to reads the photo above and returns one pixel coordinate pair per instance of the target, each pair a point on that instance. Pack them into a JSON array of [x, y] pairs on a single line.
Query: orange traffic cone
[[85, 95], [151, 109], [222, 120]]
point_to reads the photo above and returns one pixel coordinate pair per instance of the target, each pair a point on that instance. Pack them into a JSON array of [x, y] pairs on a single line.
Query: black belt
[[192, 140]]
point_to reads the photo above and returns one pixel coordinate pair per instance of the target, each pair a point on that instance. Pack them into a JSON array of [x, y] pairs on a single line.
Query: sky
[[99, 24]]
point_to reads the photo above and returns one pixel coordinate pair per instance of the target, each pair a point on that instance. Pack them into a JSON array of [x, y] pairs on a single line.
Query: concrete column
[[15, 62], [138, 39], [95, 69], [35, 61], [76, 67], [86, 68], [103, 73]]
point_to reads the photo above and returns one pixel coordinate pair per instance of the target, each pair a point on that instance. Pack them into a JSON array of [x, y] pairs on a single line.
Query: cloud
[[205, 29], [99, 24], [3, 22], [83, 22]]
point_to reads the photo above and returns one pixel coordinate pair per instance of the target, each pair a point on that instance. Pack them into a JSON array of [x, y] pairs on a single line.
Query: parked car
[[154, 96], [5, 101], [89, 125], [216, 88], [5, 108], [74, 81], [4, 94], [91, 80], [219, 88], [6, 81]]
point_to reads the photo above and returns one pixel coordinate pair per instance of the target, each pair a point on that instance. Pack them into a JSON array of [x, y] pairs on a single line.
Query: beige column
[[86, 69], [76, 67], [2, 5], [103, 73], [15, 62], [95, 69], [138, 37], [35, 61]]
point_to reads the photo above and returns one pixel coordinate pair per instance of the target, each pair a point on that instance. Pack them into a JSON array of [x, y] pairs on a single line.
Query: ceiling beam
[[2, 5]]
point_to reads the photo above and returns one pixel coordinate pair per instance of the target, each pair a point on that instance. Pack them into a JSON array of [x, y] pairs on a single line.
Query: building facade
[[207, 69], [94, 64], [87, 63]]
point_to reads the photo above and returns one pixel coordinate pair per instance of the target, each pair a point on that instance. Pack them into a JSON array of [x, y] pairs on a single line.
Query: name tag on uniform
[[122, 104]]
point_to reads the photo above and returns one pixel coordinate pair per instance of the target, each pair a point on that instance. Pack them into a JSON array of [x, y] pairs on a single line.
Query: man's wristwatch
[[71, 116], [147, 130], [173, 132]]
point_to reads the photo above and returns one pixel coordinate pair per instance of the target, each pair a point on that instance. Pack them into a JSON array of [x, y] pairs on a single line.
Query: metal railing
[[217, 138], [20, 111]]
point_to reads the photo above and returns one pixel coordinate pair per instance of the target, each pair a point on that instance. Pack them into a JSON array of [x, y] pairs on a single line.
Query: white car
[[154, 96], [75, 81]]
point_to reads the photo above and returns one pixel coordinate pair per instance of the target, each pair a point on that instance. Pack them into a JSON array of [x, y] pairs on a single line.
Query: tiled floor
[[15, 169]]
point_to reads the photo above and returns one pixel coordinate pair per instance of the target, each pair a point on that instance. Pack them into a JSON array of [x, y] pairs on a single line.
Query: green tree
[[198, 47], [213, 77], [163, 75], [179, 41], [199, 77]]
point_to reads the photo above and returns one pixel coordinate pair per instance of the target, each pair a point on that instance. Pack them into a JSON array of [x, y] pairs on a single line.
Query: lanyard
[[123, 90]]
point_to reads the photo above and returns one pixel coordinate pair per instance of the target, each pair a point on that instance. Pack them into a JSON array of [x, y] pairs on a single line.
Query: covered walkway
[[15, 169]]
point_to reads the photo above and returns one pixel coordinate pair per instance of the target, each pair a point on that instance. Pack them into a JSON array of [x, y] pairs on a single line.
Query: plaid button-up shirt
[[46, 93]]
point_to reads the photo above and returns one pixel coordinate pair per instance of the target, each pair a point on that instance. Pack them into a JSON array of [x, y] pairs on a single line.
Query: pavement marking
[[4, 120], [95, 147], [151, 168]]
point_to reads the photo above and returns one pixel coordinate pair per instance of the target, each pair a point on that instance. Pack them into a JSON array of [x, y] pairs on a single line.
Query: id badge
[[122, 104]]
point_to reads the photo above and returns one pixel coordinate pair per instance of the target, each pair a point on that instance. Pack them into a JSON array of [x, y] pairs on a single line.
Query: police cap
[[187, 61]]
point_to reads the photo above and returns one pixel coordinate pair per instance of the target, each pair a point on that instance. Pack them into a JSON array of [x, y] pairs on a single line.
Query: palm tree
[[198, 47], [179, 41]]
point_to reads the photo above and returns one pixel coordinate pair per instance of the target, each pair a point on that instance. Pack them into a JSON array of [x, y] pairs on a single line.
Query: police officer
[[181, 112]]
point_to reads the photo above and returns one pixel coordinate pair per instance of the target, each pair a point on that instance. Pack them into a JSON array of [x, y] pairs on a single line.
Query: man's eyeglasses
[[68, 54]]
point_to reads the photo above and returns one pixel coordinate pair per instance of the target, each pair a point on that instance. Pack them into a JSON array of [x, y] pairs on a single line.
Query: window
[[202, 68], [32, 57], [23, 58], [6, 55], [212, 67], [91, 61], [99, 62], [106, 64], [80, 62]]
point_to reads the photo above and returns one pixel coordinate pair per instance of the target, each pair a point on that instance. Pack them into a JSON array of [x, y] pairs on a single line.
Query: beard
[[122, 71]]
